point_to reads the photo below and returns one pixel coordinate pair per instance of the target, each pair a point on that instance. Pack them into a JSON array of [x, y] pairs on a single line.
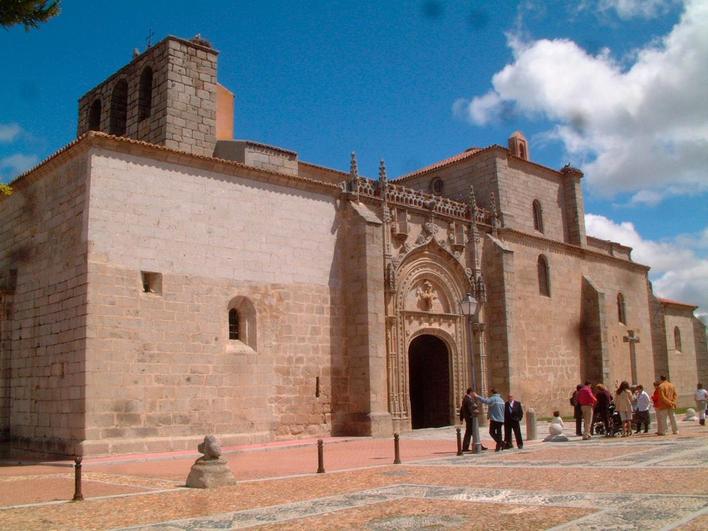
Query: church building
[[161, 280]]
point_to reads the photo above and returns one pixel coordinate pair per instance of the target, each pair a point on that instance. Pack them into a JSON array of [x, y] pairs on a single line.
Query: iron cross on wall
[[632, 340]]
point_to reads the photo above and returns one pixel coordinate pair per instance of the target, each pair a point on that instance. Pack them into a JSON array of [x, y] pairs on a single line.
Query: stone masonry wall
[[479, 171], [701, 345], [682, 363], [191, 98], [161, 370], [573, 206], [42, 238], [499, 317], [363, 274], [520, 183], [658, 334], [516, 184], [547, 342], [594, 355]]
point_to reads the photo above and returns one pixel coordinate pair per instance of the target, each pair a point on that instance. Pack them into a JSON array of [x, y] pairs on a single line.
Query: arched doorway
[[429, 377]]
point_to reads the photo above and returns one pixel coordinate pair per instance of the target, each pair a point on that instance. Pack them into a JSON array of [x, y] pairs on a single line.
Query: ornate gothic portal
[[427, 360], [429, 376]]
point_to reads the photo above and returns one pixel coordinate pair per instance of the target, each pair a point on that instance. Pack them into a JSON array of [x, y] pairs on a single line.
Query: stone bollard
[[78, 496], [211, 469], [320, 457], [459, 441], [530, 424], [396, 450]]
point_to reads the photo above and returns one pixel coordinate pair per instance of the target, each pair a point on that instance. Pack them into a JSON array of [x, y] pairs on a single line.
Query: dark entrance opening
[[429, 373]]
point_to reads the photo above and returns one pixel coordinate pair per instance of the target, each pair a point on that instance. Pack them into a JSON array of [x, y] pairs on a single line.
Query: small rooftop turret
[[519, 146]]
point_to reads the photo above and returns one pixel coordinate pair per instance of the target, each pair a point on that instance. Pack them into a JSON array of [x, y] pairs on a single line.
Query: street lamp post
[[468, 307]]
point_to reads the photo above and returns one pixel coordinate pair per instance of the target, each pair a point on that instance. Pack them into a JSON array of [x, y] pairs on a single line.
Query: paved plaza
[[642, 482]]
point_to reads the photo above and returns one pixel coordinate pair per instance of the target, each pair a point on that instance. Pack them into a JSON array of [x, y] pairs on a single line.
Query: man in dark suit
[[467, 410], [512, 416]]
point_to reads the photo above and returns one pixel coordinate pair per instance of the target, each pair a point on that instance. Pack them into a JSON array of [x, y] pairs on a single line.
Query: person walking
[[467, 411], [642, 403], [701, 398], [496, 416], [577, 412], [586, 400], [665, 405], [623, 405], [513, 413]]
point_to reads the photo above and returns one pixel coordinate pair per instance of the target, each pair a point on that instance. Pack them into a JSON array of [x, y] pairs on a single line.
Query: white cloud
[[9, 132], [696, 241], [18, 163], [627, 9], [678, 272], [642, 128], [646, 197]]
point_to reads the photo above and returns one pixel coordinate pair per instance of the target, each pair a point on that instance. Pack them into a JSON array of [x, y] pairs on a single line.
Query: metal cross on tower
[[632, 340], [148, 39]]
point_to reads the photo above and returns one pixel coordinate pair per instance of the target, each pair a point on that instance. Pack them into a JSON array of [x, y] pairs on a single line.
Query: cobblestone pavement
[[642, 482]]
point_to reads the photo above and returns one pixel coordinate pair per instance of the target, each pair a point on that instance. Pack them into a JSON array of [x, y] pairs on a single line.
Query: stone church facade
[[160, 280]]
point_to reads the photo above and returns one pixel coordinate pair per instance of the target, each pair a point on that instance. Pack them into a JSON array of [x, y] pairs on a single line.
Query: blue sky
[[612, 86]]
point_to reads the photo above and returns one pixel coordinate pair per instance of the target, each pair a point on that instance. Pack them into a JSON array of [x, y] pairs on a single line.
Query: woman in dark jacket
[[602, 408]]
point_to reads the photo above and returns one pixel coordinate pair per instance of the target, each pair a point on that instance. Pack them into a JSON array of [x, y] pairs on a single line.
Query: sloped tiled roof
[[445, 162], [100, 137], [676, 303]]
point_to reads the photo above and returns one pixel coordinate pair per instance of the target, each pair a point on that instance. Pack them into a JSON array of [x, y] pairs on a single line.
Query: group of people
[[592, 405], [503, 415]]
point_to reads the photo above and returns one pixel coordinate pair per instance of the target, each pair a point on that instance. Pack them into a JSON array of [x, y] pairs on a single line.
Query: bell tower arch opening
[[429, 380]]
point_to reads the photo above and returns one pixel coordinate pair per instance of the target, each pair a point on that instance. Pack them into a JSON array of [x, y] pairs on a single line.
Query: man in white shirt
[[642, 404], [701, 397]]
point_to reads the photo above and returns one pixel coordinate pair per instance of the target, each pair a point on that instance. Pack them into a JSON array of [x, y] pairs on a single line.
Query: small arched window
[[621, 309], [119, 108], [234, 325], [544, 281], [145, 94], [243, 335], [94, 117], [537, 216], [677, 339]]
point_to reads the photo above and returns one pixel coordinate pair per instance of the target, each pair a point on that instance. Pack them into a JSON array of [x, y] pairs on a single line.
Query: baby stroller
[[614, 423]]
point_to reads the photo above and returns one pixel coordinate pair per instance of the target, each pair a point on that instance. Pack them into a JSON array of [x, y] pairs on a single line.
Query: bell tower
[[167, 95]]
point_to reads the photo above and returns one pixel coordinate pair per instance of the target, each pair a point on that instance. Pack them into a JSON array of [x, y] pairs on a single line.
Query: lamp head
[[468, 305]]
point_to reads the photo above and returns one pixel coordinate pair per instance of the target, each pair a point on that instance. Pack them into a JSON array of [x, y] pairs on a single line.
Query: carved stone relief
[[430, 229], [426, 296]]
